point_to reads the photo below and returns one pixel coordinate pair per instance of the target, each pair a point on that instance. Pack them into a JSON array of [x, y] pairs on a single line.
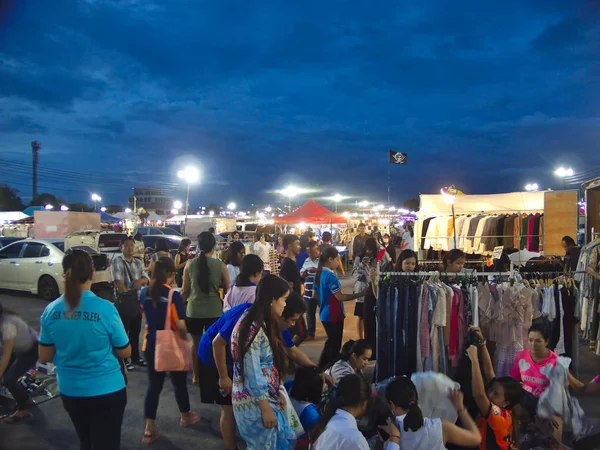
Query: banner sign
[[398, 158]]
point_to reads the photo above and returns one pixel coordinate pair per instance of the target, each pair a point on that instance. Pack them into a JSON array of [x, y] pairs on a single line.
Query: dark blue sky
[[487, 95]]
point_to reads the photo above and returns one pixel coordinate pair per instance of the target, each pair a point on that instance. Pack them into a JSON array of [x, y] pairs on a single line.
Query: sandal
[[11, 420], [191, 419], [150, 436]]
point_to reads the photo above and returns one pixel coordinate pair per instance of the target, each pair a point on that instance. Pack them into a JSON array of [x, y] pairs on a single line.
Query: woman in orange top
[[495, 406]]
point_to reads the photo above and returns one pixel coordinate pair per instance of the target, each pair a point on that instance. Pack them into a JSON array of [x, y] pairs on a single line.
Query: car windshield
[[111, 240], [169, 231], [60, 246]]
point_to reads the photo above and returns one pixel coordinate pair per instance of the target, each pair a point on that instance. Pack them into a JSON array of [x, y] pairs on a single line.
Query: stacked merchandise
[[589, 258], [479, 234]]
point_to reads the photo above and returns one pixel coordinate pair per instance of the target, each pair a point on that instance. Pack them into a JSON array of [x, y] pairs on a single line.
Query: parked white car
[[108, 242], [35, 265]]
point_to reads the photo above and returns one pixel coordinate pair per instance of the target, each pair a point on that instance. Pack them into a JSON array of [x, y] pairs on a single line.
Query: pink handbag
[[172, 353]]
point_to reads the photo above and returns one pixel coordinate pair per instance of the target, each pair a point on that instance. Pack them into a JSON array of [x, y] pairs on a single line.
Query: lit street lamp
[[96, 198], [291, 192], [363, 204], [231, 206], [532, 187], [337, 198], [127, 210], [103, 209], [563, 173], [177, 204], [48, 207], [64, 208], [189, 174]]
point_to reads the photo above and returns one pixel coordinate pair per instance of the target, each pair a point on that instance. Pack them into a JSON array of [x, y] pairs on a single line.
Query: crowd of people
[[245, 325]]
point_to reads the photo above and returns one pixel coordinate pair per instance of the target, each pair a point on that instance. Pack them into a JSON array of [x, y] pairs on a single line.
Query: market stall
[[532, 221], [311, 213], [591, 189]]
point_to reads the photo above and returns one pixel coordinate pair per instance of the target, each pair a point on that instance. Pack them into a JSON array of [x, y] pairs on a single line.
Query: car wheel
[[48, 289]]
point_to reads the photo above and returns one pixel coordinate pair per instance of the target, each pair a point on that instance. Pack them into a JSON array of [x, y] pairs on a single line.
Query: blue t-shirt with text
[[84, 340], [331, 309]]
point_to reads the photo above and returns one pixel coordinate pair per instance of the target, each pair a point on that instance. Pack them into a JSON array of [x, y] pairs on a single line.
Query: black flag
[[398, 158]]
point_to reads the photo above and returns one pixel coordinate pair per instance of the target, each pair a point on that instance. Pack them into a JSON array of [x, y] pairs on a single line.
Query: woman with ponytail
[[244, 289], [203, 276], [353, 359], [337, 429], [332, 313], [20, 352], [83, 335], [421, 433], [155, 300]]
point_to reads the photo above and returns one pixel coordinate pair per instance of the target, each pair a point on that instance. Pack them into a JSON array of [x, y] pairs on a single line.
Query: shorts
[[209, 385], [359, 309], [197, 327]]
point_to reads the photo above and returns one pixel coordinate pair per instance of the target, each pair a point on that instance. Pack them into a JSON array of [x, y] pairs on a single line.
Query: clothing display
[[588, 293], [479, 234]]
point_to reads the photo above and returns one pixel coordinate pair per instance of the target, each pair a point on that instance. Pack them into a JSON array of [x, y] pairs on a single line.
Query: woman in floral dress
[[258, 365]]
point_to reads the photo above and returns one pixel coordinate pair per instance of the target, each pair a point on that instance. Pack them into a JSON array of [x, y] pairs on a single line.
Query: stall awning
[[432, 205], [311, 213], [11, 216], [107, 218]]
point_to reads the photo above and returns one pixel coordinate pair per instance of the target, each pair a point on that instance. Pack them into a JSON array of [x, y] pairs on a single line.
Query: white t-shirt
[[406, 237], [233, 271], [262, 250]]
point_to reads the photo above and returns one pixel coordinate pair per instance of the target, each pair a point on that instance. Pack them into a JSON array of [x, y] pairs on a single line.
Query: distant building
[[152, 200]]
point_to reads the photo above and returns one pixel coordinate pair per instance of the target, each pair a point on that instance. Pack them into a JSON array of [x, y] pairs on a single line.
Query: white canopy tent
[[11, 216]]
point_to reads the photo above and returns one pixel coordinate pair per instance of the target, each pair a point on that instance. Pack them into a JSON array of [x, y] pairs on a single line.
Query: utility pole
[[35, 148]]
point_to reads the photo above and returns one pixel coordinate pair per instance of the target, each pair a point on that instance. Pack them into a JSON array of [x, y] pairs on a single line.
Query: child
[[495, 406]]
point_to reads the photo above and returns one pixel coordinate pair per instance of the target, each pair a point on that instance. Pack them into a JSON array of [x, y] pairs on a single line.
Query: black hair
[[312, 244], [251, 265], [235, 248], [138, 236], [386, 234], [403, 393], [513, 390], [211, 230], [206, 244], [260, 313], [540, 327], [78, 268], [127, 238], [294, 304], [326, 237], [183, 244], [161, 245], [411, 229], [308, 385], [406, 254], [304, 240], [352, 347], [352, 391], [361, 225], [452, 256], [569, 241], [329, 252], [370, 244], [288, 240], [163, 268]]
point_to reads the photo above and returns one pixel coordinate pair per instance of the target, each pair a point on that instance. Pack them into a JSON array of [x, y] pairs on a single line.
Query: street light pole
[[187, 204]]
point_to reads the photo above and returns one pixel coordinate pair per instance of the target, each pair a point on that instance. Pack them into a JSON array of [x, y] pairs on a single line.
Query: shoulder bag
[[172, 352], [127, 303]]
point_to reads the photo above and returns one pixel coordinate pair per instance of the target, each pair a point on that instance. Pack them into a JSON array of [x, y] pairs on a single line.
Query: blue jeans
[[311, 315]]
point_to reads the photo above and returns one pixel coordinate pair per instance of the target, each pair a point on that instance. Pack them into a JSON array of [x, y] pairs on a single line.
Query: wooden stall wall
[[561, 218]]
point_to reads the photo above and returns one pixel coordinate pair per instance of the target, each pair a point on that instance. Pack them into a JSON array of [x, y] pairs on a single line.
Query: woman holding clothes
[[155, 300], [83, 335], [19, 343], [202, 278], [257, 370]]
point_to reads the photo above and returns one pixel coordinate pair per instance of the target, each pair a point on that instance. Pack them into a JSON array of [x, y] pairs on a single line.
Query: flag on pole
[[398, 157]]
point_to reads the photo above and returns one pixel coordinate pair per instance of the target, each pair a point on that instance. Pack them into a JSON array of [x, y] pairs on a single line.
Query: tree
[[10, 200], [47, 199], [412, 204], [79, 207]]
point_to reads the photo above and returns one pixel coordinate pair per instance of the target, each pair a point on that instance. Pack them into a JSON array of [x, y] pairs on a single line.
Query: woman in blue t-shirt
[[331, 298], [155, 300], [83, 335]]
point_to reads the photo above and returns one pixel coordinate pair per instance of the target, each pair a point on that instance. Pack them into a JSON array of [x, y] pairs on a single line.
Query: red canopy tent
[[311, 213]]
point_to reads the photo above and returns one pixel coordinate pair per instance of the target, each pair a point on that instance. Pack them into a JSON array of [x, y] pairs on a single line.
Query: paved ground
[[51, 427]]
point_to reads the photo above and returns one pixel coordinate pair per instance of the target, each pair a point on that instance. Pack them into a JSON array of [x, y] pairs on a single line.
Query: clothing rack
[[438, 273]]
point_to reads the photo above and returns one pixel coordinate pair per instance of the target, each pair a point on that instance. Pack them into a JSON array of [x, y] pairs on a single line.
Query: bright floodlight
[[177, 204], [448, 194], [562, 172], [96, 198], [189, 174], [231, 206], [48, 207], [127, 210], [337, 198], [292, 191], [103, 209], [532, 187], [268, 209], [174, 211], [363, 204], [211, 213], [64, 208]]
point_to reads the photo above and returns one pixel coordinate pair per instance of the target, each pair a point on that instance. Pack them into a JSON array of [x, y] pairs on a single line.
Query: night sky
[[486, 95]]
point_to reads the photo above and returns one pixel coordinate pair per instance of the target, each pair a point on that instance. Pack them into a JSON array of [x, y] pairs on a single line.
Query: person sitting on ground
[[496, 405], [421, 433], [20, 353], [305, 392], [338, 429], [353, 359]]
